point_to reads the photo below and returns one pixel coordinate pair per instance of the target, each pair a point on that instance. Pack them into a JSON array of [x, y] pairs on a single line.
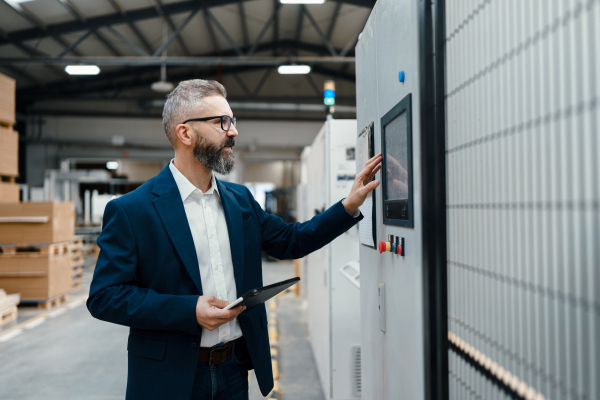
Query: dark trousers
[[225, 381]]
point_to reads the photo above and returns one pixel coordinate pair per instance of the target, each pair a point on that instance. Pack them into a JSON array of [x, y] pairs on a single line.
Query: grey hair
[[186, 95]]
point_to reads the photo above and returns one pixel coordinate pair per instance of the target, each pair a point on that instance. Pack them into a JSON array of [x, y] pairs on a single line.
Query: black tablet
[[260, 295]]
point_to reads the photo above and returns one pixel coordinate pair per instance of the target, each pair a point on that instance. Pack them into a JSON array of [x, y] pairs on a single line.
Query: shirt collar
[[186, 188]]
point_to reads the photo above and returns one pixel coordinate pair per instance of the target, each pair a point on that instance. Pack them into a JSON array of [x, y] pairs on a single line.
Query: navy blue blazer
[[147, 278]]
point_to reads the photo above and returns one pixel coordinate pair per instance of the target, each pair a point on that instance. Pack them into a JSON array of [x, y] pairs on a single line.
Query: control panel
[[397, 179], [395, 245]]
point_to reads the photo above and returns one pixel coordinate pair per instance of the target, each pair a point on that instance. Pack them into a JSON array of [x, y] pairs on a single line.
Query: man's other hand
[[363, 184], [210, 315]]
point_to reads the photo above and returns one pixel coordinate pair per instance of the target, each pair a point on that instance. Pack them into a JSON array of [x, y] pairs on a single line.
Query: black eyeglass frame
[[222, 117]]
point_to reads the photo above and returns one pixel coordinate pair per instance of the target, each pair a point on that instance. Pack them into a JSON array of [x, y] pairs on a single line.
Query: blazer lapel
[[169, 207], [235, 227]]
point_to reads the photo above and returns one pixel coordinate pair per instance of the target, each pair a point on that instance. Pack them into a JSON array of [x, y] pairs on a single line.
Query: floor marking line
[[11, 335], [20, 326], [35, 323]]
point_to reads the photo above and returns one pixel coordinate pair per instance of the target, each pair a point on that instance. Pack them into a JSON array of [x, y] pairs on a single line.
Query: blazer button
[[194, 345]]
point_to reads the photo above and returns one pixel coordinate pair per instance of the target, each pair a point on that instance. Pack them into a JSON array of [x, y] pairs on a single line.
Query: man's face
[[213, 146]]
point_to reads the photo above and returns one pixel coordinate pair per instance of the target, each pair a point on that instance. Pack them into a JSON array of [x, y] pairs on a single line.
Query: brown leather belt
[[217, 355]]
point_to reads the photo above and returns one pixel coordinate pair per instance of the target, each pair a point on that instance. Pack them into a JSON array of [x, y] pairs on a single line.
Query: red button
[[399, 250], [381, 246]]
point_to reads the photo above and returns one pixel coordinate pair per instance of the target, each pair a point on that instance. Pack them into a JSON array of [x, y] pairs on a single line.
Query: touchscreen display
[[396, 145]]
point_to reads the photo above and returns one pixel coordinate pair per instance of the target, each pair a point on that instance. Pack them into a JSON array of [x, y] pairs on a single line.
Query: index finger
[[371, 164], [223, 314], [372, 159]]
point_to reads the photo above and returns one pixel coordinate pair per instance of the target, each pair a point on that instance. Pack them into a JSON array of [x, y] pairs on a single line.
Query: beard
[[212, 156]]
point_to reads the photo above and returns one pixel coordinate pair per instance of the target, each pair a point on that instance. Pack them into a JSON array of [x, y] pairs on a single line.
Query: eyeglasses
[[226, 121]]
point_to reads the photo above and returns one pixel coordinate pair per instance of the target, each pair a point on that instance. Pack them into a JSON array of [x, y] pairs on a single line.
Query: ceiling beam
[[167, 18], [121, 77], [276, 27], [262, 81], [244, 24], [211, 32], [121, 10], [139, 98], [111, 19], [299, 22], [146, 76], [78, 15], [74, 44], [41, 27], [320, 33], [221, 29], [334, 18], [17, 73], [176, 33], [179, 61], [37, 53], [264, 30], [132, 16], [131, 45]]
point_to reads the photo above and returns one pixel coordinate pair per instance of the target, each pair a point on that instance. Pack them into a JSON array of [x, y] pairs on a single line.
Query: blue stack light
[[329, 93]]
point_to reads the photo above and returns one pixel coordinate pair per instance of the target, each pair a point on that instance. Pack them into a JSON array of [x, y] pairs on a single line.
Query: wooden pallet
[[8, 179], [8, 307], [12, 249], [6, 124], [8, 315], [78, 263], [46, 303]]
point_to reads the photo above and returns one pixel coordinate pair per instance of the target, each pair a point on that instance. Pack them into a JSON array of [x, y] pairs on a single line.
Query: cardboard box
[[35, 275], [9, 192], [9, 152], [7, 100], [48, 222]]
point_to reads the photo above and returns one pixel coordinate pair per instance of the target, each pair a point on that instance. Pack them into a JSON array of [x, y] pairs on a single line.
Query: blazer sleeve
[[115, 292], [290, 241]]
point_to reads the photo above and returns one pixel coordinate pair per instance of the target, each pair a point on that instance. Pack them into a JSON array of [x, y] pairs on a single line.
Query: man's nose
[[232, 131]]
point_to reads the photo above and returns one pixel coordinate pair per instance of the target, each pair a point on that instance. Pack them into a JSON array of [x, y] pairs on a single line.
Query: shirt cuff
[[356, 213]]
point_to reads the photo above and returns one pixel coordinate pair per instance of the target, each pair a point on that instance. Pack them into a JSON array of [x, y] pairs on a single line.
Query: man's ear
[[184, 134]]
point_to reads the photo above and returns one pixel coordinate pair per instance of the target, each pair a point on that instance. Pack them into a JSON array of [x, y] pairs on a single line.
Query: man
[[182, 246]]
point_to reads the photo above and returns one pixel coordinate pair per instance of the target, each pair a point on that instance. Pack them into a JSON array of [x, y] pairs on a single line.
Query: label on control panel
[[381, 297]]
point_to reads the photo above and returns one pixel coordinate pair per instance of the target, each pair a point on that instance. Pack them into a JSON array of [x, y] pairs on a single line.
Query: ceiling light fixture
[[293, 69], [302, 1], [163, 86], [82, 69]]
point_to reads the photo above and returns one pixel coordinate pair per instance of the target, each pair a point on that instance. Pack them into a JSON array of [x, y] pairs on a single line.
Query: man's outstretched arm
[[289, 241]]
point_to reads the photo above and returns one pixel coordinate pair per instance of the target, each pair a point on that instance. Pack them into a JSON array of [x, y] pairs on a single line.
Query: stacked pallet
[[9, 142], [36, 259], [78, 259], [8, 307]]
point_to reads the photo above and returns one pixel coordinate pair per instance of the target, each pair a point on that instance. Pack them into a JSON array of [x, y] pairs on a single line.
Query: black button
[[194, 345]]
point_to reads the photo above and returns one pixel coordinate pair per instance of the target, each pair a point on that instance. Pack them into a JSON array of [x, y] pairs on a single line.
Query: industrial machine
[[479, 251], [331, 274]]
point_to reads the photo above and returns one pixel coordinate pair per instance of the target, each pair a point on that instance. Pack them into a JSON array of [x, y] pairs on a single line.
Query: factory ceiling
[[239, 43]]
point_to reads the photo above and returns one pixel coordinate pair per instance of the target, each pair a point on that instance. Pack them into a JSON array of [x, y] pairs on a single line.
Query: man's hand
[[210, 317], [363, 184]]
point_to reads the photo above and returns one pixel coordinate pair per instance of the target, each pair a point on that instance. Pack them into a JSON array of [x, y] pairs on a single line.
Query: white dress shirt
[[205, 215]]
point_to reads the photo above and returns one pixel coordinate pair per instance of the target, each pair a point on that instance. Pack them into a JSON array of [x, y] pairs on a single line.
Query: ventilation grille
[[356, 377]]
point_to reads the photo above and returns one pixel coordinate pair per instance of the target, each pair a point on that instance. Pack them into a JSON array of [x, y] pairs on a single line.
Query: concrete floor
[[66, 354]]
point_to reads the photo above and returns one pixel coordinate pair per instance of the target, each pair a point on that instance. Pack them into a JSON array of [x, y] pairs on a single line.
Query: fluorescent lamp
[[302, 1], [112, 165], [82, 69], [293, 69]]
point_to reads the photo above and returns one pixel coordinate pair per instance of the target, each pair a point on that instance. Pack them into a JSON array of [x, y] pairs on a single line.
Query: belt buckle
[[219, 350]]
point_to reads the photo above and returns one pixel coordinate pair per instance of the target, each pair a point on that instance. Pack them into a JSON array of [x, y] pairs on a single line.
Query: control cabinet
[[387, 92], [331, 275]]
